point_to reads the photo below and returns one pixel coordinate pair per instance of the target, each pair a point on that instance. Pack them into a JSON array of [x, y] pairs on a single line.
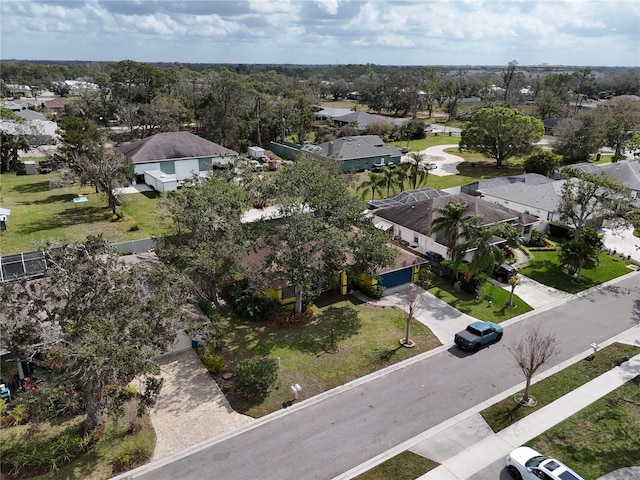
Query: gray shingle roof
[[363, 119], [526, 178], [627, 173], [361, 146], [172, 145], [543, 196]]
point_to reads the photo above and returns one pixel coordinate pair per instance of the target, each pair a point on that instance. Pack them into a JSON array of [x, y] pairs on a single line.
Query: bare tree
[[514, 282], [530, 353], [412, 307]]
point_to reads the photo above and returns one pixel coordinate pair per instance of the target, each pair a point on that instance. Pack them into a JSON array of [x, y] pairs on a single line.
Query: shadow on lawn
[[32, 187], [66, 197], [66, 218]]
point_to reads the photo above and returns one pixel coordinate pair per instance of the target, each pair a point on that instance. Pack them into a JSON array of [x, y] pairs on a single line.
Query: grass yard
[[404, 466], [41, 214], [479, 307], [601, 438], [430, 140], [366, 337], [507, 412], [122, 446], [546, 269]]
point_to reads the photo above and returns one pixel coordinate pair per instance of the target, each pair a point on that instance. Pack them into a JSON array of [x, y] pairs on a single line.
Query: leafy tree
[[94, 324], [79, 138], [532, 351], [9, 147], [320, 223], [619, 127], [209, 237], [581, 253], [578, 138], [501, 133], [107, 171], [588, 197], [374, 184], [417, 172], [543, 162], [513, 81], [255, 377]]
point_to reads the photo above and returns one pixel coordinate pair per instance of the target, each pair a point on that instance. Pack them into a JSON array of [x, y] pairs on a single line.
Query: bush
[[133, 456], [290, 319], [252, 305], [538, 238], [212, 362], [254, 377], [373, 291], [560, 230], [134, 228]]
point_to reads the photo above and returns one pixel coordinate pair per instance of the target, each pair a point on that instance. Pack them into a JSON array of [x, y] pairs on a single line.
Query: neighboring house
[[18, 91], [56, 105], [182, 154], [331, 113], [363, 119], [411, 223], [625, 172], [530, 193], [38, 132], [361, 152], [550, 125]]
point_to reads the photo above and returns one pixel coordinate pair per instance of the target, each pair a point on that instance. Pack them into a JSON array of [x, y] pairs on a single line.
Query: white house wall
[[140, 168], [543, 215], [186, 168]]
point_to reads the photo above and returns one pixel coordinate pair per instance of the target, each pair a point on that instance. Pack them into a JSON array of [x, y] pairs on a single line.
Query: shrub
[[538, 238], [134, 228], [254, 377], [288, 319], [131, 457], [212, 362], [372, 291], [560, 230], [252, 305]]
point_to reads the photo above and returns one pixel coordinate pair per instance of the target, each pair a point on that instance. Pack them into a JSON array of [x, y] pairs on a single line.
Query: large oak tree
[[501, 133]]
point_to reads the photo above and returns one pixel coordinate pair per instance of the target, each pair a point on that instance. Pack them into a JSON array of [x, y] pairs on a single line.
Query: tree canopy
[[92, 324], [501, 133]]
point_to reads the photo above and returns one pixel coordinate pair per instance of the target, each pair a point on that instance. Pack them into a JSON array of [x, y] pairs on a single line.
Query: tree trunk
[[94, 415], [406, 338], [525, 395], [513, 287], [298, 305]]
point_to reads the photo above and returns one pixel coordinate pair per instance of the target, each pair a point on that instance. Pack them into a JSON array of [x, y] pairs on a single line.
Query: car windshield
[[535, 461], [566, 475]]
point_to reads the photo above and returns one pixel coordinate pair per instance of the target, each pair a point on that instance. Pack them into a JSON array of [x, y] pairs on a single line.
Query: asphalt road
[[342, 431]]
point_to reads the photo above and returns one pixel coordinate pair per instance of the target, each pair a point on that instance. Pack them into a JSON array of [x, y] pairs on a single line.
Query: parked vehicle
[[256, 166], [525, 463], [504, 272], [434, 255], [477, 335]]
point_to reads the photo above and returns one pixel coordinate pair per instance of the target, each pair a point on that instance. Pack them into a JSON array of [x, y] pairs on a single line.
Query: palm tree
[[400, 173], [388, 178], [450, 220], [373, 184], [485, 253], [581, 253], [514, 282], [415, 170]]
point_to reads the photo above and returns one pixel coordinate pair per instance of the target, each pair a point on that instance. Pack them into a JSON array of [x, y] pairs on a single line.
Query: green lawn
[[41, 214], [546, 269], [424, 143], [507, 411], [601, 438], [404, 466], [367, 339], [479, 307]]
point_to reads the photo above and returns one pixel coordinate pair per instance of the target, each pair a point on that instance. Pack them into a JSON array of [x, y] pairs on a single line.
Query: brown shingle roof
[[419, 216], [171, 146]]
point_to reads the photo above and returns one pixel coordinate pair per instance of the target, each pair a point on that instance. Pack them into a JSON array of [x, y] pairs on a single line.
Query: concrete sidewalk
[[466, 447]]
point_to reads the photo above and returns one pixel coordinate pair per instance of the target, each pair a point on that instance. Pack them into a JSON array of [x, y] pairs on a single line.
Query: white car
[[525, 463]]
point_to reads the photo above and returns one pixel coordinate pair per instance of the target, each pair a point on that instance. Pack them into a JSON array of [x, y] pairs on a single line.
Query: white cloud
[[586, 32]]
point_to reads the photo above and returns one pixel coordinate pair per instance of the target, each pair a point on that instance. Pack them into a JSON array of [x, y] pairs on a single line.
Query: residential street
[[339, 431]]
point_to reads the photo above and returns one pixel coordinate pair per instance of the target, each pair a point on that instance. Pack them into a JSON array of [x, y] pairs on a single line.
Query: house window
[[549, 216], [288, 292], [415, 238], [527, 229]]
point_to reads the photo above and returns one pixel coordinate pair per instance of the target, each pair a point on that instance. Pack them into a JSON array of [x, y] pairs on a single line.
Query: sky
[[383, 32]]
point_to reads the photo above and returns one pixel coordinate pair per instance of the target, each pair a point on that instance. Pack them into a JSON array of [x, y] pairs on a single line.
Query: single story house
[[408, 196], [626, 172], [363, 119], [411, 223], [361, 152], [182, 154]]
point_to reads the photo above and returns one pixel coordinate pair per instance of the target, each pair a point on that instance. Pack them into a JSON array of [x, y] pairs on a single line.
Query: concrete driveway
[[622, 240], [536, 294], [446, 162]]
